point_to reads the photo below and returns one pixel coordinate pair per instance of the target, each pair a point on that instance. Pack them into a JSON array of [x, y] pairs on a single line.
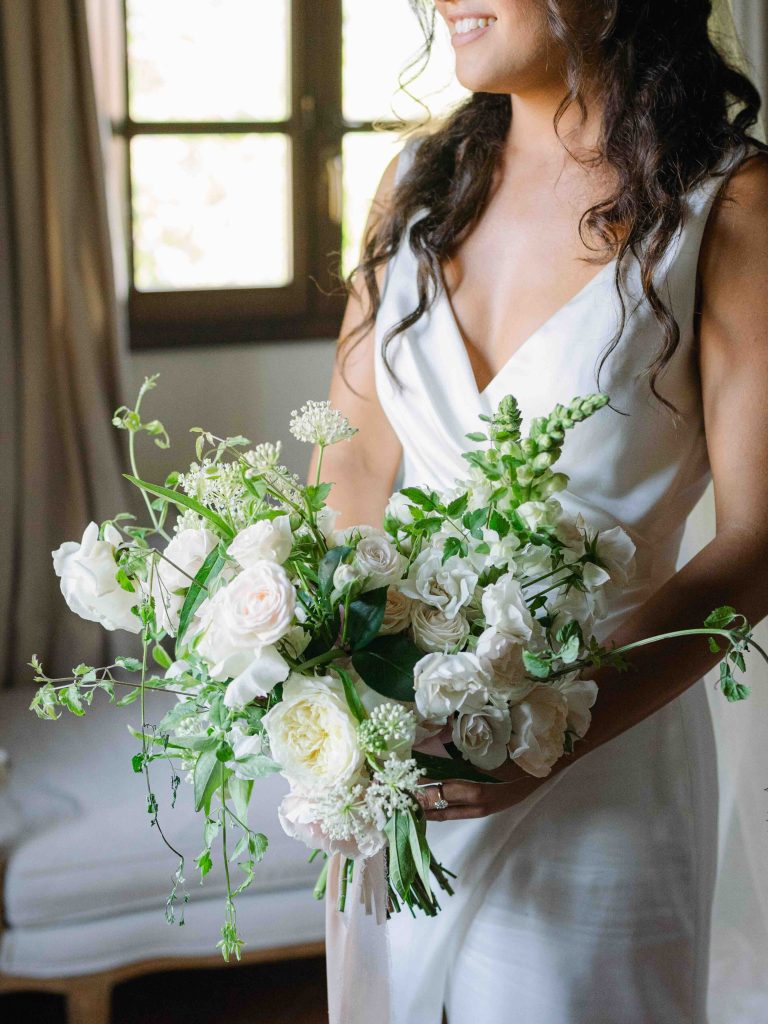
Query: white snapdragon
[[616, 552], [88, 573], [319, 423], [444, 683], [435, 632]]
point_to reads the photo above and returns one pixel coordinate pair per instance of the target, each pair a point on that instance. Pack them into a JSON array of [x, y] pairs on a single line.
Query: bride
[[594, 216]]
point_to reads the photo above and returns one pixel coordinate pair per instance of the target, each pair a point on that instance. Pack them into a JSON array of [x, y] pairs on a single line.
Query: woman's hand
[[477, 799]]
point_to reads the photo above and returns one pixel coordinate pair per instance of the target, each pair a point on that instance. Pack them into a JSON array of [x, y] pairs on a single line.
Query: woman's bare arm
[[733, 344], [362, 470]]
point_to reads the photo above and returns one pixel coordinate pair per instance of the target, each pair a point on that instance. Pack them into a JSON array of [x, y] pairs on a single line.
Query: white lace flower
[[264, 456], [390, 728], [320, 423], [393, 789]]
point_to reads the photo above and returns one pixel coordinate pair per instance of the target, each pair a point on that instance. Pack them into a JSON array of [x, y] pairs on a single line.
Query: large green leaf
[[207, 573], [422, 856], [402, 869], [354, 703], [256, 766], [387, 666], [177, 498], [206, 766], [365, 616]]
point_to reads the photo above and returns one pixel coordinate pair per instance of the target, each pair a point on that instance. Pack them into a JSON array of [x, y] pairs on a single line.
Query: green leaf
[[387, 666], [129, 664], [240, 790], [720, 618], [538, 667], [316, 495], [177, 714], [210, 831], [419, 497], [129, 698], [402, 869], [207, 572], [365, 616], [177, 498], [137, 763], [70, 699], [258, 844], [714, 646], [454, 546], [476, 436], [207, 767], [422, 856], [458, 506], [224, 752], [204, 862], [569, 652], [255, 766], [161, 656], [353, 698], [441, 768]]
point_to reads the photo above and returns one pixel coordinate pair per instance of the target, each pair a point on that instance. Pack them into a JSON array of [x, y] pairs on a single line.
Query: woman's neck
[[532, 132]]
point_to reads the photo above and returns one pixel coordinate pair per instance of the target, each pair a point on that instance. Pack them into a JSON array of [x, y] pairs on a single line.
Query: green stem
[[135, 470], [322, 659], [319, 465]]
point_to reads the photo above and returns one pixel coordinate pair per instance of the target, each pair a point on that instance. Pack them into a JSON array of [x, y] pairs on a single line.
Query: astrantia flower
[[320, 423]]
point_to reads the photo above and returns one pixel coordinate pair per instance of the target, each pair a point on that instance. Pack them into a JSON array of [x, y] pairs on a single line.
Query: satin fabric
[[592, 905]]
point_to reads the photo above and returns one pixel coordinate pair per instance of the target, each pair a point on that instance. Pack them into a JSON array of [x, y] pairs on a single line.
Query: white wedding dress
[[590, 903]]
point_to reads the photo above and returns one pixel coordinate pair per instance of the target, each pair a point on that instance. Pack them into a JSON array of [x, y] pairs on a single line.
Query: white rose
[[257, 679], [347, 575], [326, 523], [538, 730], [173, 574], [432, 631], [268, 540], [397, 613], [313, 735], [482, 735], [580, 695], [446, 585], [505, 609], [399, 508], [254, 610], [444, 683], [379, 561], [88, 580], [503, 657], [616, 552]]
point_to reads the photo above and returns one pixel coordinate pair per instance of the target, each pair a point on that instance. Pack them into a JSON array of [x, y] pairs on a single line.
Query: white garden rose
[[88, 580], [326, 523], [269, 539], [505, 609], [446, 585], [538, 730], [503, 658], [399, 508], [434, 632], [257, 679], [482, 735], [313, 735], [444, 683], [397, 613], [174, 572], [253, 611], [347, 575], [378, 560]]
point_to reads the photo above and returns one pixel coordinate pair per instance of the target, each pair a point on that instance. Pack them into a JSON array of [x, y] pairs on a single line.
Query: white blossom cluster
[[218, 486], [319, 423]]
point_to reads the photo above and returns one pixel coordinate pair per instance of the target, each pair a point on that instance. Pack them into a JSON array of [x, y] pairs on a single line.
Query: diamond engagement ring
[[441, 803]]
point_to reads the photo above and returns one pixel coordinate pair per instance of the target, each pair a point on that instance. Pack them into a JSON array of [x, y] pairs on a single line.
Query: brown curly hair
[[673, 108]]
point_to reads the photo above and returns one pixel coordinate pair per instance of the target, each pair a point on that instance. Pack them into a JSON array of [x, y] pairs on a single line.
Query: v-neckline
[[459, 337]]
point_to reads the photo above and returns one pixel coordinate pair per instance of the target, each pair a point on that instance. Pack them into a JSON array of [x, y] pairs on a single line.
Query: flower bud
[[525, 475]]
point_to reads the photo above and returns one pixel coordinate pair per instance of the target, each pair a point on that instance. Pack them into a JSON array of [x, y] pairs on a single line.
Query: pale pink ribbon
[[357, 954]]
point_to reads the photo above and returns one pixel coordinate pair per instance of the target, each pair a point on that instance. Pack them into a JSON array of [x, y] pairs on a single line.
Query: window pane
[[365, 155], [211, 211], [379, 40], [209, 60]]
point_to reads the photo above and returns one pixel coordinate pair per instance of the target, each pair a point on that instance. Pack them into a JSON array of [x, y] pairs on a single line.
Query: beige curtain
[[60, 458]]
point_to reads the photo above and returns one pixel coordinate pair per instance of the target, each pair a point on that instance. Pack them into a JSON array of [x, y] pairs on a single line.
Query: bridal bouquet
[[330, 656]]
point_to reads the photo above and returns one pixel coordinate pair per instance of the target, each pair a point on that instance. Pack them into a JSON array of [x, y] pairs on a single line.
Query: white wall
[[245, 389]]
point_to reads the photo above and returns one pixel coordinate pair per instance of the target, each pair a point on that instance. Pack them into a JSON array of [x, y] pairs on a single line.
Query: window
[[251, 157]]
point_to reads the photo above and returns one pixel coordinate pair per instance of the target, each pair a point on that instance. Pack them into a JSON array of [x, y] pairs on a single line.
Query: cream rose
[[482, 735], [183, 558], [268, 540], [444, 683], [253, 611], [88, 573], [505, 609], [538, 730], [312, 734], [397, 613], [504, 659], [378, 560], [434, 632]]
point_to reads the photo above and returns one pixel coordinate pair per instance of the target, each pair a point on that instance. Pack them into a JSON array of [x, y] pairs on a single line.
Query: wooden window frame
[[311, 306]]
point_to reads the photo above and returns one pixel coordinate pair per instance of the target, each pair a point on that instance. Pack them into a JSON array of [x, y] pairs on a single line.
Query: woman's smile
[[466, 29]]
